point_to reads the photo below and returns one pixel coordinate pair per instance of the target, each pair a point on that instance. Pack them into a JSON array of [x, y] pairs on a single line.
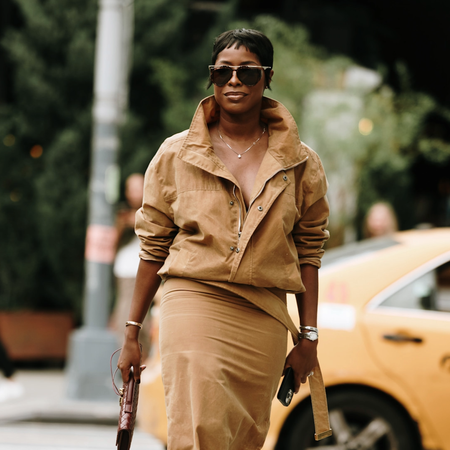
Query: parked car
[[384, 350]]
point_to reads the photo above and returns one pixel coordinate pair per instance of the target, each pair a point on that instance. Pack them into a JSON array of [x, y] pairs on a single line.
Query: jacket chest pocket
[[194, 179], [204, 209], [286, 211]]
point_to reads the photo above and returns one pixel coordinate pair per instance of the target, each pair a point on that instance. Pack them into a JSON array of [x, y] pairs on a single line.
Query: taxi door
[[408, 331]]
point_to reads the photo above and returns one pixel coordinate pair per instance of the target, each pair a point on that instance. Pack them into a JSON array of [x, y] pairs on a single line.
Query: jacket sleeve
[[154, 220], [310, 233]]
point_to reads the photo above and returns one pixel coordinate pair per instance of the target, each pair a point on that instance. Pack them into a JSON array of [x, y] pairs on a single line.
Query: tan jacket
[[194, 218]]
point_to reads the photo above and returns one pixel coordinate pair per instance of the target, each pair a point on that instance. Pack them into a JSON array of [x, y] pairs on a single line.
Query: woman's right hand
[[130, 356]]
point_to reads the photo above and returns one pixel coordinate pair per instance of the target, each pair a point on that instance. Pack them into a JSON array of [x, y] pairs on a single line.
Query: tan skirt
[[222, 358]]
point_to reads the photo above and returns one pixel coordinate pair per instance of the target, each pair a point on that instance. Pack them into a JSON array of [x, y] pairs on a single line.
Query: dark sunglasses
[[249, 75]]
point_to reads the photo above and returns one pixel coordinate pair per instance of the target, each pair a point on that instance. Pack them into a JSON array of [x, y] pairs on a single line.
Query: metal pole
[[91, 346]]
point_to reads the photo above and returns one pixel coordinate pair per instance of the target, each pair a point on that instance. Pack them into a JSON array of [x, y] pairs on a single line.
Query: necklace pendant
[[239, 155]]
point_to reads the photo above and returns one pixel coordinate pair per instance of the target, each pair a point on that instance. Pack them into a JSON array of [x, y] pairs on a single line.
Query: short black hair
[[253, 40]]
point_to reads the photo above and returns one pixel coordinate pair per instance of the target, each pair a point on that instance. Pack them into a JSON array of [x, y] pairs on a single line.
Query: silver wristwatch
[[310, 335]]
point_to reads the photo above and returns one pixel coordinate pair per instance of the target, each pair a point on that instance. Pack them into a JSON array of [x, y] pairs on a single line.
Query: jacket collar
[[285, 146]]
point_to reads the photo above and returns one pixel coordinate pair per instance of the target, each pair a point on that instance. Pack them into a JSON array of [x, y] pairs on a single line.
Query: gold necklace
[[239, 155]]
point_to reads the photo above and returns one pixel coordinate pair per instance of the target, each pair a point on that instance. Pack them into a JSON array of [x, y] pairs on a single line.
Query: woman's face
[[134, 190], [236, 98], [379, 221]]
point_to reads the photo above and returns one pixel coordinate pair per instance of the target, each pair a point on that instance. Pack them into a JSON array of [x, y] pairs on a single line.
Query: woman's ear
[[269, 80]]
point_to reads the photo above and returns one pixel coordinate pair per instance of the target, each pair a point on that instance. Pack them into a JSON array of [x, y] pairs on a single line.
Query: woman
[[380, 220], [233, 217]]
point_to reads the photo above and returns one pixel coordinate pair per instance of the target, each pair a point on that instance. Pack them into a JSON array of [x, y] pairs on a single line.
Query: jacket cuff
[[313, 260]]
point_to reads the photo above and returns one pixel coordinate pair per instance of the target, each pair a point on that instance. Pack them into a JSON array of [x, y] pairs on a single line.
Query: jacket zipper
[[240, 215]]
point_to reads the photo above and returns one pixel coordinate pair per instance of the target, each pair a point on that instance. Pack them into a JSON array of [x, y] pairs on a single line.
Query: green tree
[[46, 131], [363, 166], [44, 158]]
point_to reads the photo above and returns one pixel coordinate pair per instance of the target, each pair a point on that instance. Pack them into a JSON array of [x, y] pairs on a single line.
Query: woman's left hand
[[303, 359]]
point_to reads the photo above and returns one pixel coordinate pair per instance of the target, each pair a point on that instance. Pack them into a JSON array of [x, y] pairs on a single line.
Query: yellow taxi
[[384, 350]]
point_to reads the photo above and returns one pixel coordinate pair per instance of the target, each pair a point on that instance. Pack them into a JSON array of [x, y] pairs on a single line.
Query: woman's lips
[[235, 95]]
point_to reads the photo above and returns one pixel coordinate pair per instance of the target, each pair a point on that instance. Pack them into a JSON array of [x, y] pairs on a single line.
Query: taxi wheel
[[359, 420]]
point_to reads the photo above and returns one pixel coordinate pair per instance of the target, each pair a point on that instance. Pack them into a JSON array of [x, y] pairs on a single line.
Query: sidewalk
[[44, 419]]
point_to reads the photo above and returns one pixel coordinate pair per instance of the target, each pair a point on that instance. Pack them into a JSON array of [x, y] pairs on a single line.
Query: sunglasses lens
[[247, 75], [220, 77]]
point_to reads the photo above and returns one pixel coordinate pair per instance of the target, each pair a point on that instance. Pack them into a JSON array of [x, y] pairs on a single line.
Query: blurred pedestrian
[[9, 387], [380, 220], [127, 259], [126, 215], [233, 208]]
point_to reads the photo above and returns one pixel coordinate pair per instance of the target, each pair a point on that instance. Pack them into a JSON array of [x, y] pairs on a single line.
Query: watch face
[[310, 335]]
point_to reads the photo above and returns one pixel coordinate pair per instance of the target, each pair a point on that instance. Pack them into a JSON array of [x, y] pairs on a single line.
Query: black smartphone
[[287, 388]]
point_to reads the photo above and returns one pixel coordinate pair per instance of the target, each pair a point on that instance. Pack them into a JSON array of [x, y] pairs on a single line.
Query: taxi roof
[[355, 273]]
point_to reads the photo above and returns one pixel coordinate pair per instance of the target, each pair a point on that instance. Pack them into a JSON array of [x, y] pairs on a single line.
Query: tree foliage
[[45, 154], [46, 131], [330, 106]]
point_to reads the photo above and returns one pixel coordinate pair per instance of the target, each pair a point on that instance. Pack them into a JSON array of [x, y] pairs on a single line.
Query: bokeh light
[[365, 126], [15, 196], [9, 140], [36, 151]]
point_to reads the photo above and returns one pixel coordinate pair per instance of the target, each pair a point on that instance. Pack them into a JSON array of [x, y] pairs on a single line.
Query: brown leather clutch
[[129, 396]]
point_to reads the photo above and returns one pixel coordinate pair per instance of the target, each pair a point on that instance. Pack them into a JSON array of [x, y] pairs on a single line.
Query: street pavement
[[42, 418]]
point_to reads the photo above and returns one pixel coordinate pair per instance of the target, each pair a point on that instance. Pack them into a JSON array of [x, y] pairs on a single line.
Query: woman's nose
[[234, 78]]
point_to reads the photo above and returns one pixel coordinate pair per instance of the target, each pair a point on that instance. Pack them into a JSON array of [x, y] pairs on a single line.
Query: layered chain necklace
[[239, 155]]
